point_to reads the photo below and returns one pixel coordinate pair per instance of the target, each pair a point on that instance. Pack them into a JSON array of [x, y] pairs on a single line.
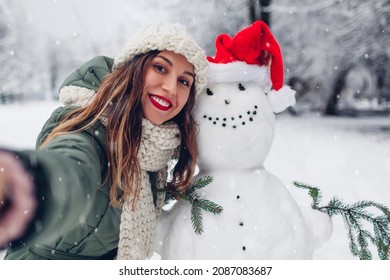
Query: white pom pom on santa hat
[[281, 99], [254, 55]]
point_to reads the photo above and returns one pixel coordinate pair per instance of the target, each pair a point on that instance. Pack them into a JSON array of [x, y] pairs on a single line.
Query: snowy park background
[[43, 40]]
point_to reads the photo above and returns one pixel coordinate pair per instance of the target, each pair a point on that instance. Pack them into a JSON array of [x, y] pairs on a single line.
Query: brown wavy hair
[[118, 101]]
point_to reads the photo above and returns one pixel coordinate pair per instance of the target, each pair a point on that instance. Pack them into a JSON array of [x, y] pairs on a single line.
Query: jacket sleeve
[[66, 174]]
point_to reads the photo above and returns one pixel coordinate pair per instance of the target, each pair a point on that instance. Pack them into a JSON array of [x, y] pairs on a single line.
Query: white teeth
[[161, 101]]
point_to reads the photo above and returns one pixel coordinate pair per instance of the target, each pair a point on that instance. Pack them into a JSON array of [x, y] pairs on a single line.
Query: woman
[[90, 190]]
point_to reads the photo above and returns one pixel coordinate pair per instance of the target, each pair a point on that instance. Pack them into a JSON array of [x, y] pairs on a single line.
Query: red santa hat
[[254, 55]]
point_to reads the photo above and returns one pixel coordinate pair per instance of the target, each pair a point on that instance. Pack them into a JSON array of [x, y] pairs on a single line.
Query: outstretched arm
[[17, 198]]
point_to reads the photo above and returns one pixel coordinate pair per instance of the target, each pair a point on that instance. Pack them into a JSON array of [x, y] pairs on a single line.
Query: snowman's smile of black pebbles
[[233, 121]]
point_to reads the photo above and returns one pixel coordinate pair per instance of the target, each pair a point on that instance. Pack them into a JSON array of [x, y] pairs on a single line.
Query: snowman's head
[[236, 121], [236, 110]]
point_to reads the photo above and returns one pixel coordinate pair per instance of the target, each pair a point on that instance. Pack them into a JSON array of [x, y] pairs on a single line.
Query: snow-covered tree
[[16, 54], [259, 9], [8, 40], [321, 40], [206, 19]]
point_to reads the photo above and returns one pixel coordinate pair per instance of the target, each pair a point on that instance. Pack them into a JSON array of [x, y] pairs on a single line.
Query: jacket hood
[[81, 85]]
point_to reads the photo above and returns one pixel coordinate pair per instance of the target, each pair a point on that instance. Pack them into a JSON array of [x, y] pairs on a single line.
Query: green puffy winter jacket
[[74, 219]]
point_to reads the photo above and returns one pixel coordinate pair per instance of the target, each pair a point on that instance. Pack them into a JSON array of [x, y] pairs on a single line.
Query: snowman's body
[[260, 218]]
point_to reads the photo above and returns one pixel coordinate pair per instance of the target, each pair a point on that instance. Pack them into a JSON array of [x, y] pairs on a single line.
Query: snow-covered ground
[[344, 157]]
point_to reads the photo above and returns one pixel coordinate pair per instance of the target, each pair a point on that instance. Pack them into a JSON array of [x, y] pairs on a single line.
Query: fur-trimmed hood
[[81, 85]]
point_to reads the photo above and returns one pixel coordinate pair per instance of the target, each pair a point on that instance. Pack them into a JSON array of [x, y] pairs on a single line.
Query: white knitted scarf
[[137, 227]]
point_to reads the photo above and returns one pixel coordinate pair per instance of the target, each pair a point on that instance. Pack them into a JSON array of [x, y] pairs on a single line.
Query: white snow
[[345, 157]]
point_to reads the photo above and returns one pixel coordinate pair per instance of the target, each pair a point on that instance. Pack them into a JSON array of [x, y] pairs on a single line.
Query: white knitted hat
[[170, 37]]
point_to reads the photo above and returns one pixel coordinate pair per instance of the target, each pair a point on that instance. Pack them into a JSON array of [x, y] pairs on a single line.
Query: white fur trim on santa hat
[[239, 71], [77, 96], [281, 99]]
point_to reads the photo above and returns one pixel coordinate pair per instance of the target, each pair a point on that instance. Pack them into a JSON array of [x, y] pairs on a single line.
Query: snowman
[[236, 116]]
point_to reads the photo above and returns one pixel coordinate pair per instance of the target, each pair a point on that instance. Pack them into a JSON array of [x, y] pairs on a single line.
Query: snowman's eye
[[241, 87], [209, 92]]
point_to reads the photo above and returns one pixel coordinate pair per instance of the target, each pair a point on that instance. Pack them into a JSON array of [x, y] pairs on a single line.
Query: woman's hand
[[17, 199]]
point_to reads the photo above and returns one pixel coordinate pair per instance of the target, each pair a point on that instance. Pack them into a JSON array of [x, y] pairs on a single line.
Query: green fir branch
[[209, 206], [353, 215], [201, 182], [315, 193], [196, 219], [197, 204]]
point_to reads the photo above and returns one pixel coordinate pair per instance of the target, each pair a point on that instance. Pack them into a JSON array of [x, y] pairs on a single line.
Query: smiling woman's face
[[168, 81]]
